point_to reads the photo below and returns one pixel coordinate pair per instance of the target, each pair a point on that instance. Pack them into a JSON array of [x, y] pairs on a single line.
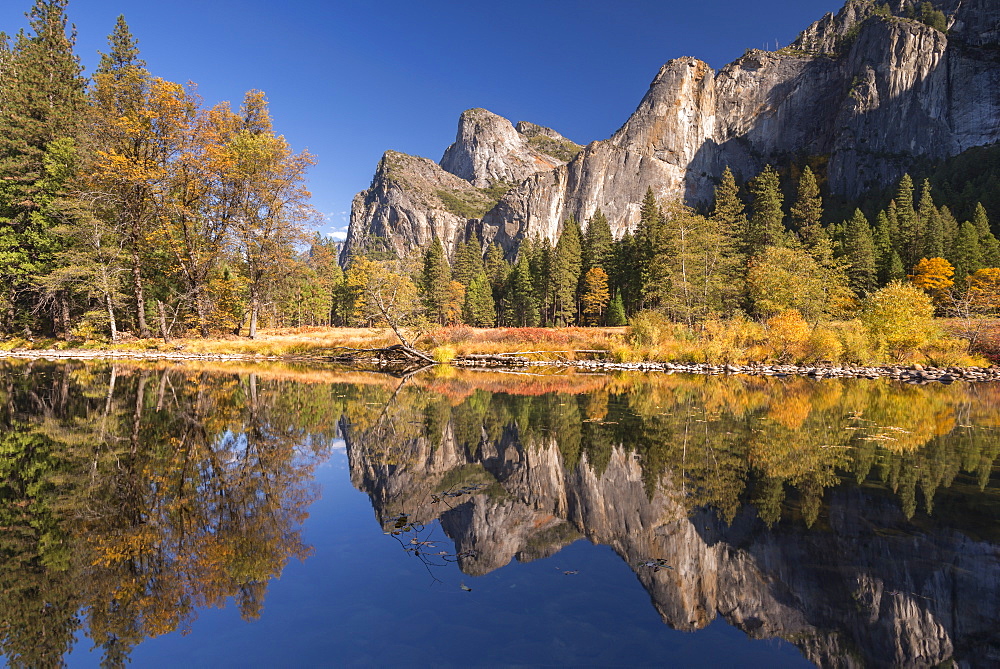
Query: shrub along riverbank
[[786, 342]]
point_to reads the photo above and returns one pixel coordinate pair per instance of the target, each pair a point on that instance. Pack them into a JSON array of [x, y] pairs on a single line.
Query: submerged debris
[[655, 564], [458, 492]]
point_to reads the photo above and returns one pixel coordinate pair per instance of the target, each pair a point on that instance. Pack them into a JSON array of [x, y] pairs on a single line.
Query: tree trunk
[[254, 309], [239, 326], [162, 392], [140, 300], [63, 315], [162, 312], [140, 396], [199, 308], [111, 318]]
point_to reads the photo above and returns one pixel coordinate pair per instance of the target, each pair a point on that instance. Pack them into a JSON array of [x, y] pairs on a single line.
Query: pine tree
[[616, 311], [807, 212], [41, 107], [597, 243], [859, 247], [626, 276], [648, 242], [497, 270], [909, 243], [988, 244], [541, 257], [968, 254], [118, 113], [933, 236], [892, 219], [728, 222], [729, 211], [765, 226], [435, 282], [894, 270], [929, 226], [949, 228], [479, 309], [468, 261], [882, 241], [566, 266], [522, 303]]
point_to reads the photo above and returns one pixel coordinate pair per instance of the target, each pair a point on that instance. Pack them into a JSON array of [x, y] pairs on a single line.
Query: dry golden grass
[[651, 338], [310, 341], [552, 343]]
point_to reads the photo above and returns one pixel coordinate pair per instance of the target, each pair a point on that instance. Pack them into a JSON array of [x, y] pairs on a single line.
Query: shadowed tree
[[859, 248], [807, 211]]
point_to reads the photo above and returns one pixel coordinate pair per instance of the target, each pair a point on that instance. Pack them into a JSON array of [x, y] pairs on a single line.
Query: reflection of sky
[[360, 600]]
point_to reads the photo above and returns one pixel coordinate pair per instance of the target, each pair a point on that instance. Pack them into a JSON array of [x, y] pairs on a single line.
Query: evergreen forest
[[128, 205], [756, 253], [129, 208]]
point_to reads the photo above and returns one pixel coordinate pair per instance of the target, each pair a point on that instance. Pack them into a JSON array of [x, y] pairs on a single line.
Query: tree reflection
[[722, 442], [864, 484], [133, 496]]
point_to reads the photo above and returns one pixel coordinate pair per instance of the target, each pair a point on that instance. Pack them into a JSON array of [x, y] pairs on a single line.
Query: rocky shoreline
[[916, 374]]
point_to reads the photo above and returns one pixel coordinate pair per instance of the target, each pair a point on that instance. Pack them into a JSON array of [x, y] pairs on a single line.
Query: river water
[[207, 515]]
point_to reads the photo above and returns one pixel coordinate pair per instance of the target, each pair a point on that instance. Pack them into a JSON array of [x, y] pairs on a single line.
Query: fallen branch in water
[[397, 352]]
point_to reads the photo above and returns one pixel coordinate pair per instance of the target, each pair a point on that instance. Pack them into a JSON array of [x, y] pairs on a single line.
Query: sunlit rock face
[[489, 149], [865, 94], [855, 590], [404, 210]]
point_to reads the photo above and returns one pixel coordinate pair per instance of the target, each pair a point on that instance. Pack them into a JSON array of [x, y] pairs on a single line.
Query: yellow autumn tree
[[787, 333], [984, 291], [453, 307], [271, 202], [595, 295], [934, 275], [899, 319]]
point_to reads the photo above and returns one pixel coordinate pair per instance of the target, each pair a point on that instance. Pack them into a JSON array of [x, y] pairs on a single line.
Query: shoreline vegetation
[[130, 208], [782, 347]]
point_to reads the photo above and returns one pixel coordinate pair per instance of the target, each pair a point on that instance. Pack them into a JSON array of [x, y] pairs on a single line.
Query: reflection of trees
[[778, 443], [136, 496], [130, 496], [721, 435], [640, 462]]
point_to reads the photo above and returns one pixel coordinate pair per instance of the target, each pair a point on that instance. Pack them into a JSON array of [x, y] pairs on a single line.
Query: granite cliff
[[868, 93], [861, 590]]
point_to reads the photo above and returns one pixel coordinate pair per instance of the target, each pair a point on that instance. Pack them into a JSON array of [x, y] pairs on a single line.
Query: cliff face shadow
[[899, 93]]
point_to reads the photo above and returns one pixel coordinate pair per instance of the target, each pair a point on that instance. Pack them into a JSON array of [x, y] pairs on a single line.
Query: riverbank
[[540, 362]]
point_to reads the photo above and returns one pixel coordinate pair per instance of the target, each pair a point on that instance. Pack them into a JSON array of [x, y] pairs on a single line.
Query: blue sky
[[348, 80]]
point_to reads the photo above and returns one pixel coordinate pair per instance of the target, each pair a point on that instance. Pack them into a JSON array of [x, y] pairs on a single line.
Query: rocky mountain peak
[[828, 35], [489, 149], [868, 92], [411, 202]]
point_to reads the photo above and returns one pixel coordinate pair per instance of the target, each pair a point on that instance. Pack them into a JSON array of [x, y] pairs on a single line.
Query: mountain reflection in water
[[856, 519]]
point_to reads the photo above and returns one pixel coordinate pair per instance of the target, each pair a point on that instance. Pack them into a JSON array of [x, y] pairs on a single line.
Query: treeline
[[749, 256], [128, 204]]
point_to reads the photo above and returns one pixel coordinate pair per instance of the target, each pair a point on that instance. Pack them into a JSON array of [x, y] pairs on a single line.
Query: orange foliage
[[933, 275]]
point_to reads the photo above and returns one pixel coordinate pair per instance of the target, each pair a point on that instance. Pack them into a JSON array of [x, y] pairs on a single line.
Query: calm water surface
[[279, 516]]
